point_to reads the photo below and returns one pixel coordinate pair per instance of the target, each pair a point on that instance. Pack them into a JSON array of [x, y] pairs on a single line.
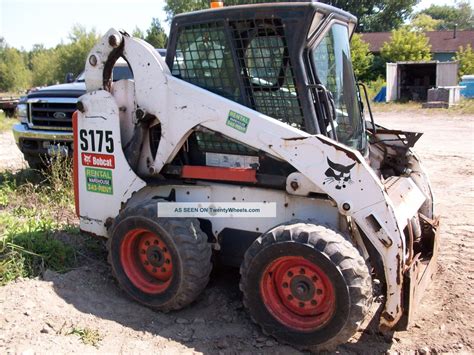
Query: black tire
[[181, 247], [35, 161], [344, 301]]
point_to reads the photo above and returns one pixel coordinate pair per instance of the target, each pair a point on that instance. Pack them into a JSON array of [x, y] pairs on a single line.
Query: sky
[[24, 23]]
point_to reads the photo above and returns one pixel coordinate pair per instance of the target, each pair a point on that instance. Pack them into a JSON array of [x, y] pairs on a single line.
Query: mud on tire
[[163, 263], [306, 285]]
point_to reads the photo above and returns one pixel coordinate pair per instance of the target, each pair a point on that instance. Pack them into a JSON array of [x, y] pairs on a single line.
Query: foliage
[[45, 66], [406, 45], [377, 15], [374, 15], [6, 123], [40, 66], [374, 86], [423, 23], [361, 57], [465, 56], [156, 35], [460, 14], [138, 33], [72, 56], [14, 73], [88, 336], [33, 212]]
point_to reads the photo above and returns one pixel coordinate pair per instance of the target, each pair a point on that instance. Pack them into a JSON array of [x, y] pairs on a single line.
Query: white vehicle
[[261, 107]]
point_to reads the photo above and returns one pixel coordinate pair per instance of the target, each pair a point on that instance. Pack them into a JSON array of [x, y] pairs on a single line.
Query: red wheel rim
[[298, 293], [146, 260]]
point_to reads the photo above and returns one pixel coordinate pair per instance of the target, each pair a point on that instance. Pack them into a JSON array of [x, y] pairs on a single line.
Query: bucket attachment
[[420, 272]]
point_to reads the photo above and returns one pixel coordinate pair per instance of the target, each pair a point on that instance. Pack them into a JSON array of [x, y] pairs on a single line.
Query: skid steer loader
[[254, 104]]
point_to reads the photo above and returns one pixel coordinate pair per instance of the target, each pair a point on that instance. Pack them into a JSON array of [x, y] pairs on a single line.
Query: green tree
[[45, 67], [374, 15], [14, 73], [138, 33], [377, 15], [72, 56], [406, 45], [362, 59], [156, 35], [175, 7], [465, 56], [423, 23], [461, 15]]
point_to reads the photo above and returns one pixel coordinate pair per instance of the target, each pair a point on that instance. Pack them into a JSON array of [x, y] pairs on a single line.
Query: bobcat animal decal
[[341, 174]]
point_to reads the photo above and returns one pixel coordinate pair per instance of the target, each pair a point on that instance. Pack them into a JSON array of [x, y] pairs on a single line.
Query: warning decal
[[99, 180]]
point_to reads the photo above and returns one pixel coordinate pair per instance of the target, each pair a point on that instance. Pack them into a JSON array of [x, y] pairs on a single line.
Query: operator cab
[[288, 61]]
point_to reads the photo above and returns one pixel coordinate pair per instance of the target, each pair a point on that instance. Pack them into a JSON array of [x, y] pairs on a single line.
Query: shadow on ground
[[215, 323]]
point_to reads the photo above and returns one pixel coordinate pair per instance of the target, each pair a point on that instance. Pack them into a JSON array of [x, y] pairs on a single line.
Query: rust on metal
[[399, 269], [387, 316], [349, 154], [386, 243], [410, 243], [419, 275]]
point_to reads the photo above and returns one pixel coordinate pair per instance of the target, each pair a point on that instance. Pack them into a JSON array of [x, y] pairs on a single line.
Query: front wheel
[[306, 285], [35, 161], [163, 263]]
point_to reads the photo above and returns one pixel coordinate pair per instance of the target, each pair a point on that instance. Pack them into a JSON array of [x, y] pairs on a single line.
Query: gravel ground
[[37, 315]]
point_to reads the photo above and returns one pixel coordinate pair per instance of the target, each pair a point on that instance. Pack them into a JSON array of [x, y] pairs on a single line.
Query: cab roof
[[254, 10]]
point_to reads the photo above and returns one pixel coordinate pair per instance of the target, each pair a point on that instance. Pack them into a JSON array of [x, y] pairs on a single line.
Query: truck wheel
[[163, 263], [306, 285], [34, 162]]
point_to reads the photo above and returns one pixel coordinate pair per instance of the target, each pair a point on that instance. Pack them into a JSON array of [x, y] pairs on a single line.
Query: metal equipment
[[254, 104]]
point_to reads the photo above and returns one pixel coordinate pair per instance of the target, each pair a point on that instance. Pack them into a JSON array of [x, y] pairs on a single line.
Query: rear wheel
[[306, 285], [163, 263]]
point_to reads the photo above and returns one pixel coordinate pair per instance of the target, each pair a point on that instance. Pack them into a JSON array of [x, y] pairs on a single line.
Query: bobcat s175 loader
[[254, 104]]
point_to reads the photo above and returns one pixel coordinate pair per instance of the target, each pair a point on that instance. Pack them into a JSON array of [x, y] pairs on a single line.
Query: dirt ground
[[37, 315]]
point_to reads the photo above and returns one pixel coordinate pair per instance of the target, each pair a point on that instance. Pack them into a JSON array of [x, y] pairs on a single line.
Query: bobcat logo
[[338, 173], [87, 159]]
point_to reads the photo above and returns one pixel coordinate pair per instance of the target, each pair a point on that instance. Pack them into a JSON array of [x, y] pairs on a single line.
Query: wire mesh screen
[[207, 55], [211, 142], [204, 58], [266, 69]]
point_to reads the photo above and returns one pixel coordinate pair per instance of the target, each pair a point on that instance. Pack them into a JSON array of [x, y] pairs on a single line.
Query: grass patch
[[465, 107], [374, 86], [36, 207], [88, 336], [6, 123]]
